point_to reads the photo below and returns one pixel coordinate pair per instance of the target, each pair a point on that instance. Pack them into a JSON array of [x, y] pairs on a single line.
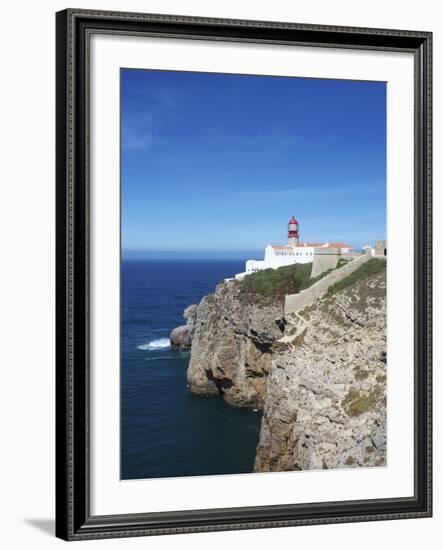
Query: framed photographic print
[[243, 274]]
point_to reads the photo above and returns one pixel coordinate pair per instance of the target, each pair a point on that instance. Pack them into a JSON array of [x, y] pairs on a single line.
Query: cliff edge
[[319, 374]]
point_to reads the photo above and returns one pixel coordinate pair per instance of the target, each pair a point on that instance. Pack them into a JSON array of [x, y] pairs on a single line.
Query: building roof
[[338, 245], [303, 245]]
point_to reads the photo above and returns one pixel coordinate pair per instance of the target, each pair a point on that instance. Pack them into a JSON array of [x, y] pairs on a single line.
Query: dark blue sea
[[167, 431]]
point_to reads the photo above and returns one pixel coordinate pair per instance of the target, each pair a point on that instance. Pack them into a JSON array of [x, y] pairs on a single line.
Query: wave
[[160, 343]]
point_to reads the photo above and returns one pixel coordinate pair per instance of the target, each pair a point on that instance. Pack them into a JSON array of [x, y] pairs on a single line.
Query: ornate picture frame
[[74, 518]]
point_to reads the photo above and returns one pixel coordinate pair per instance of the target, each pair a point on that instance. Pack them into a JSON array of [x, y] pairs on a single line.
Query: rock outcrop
[[326, 390], [232, 345], [181, 337], [319, 374]]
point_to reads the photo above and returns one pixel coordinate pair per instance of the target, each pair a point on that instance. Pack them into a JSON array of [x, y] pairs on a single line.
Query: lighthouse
[[293, 232], [279, 255]]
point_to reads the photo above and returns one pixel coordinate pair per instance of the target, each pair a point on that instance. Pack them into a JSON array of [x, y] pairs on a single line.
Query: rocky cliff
[[232, 345], [319, 375], [326, 390]]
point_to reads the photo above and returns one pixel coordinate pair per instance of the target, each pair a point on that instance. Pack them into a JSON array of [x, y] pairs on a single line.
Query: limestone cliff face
[[326, 389], [232, 346], [319, 375]]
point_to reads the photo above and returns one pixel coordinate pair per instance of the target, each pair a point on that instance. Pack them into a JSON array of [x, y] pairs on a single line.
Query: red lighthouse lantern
[[293, 231]]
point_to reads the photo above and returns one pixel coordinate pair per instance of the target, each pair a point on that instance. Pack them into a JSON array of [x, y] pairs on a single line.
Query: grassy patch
[[277, 283], [341, 262], [381, 378], [350, 461], [299, 340], [356, 403], [371, 267]]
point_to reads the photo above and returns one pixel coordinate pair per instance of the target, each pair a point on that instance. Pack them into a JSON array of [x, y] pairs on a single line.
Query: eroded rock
[[181, 337], [232, 346], [326, 395]]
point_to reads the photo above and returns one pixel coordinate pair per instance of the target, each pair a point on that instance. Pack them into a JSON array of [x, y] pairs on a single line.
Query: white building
[[293, 253]]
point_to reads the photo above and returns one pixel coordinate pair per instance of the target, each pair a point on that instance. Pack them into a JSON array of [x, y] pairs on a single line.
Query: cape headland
[[315, 366], [302, 337]]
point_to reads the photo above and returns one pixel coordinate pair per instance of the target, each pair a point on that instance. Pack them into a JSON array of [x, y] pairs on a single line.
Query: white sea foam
[[160, 343]]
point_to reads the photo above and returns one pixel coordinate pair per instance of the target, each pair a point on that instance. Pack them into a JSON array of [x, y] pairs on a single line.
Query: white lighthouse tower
[[293, 232]]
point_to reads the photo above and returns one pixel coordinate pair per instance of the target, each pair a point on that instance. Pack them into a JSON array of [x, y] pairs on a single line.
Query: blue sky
[[214, 165]]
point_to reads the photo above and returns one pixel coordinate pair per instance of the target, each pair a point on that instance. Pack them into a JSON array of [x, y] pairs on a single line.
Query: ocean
[[165, 430]]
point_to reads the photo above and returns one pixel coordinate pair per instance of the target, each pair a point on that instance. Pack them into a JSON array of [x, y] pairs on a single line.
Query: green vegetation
[[299, 340], [361, 374], [341, 262], [371, 267], [350, 396], [356, 403], [350, 461], [381, 378], [276, 283]]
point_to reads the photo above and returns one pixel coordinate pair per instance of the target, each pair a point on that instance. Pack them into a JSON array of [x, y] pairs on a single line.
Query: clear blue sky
[[216, 164]]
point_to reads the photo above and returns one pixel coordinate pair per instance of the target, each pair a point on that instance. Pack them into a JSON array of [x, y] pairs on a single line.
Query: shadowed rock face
[[231, 347], [319, 375]]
